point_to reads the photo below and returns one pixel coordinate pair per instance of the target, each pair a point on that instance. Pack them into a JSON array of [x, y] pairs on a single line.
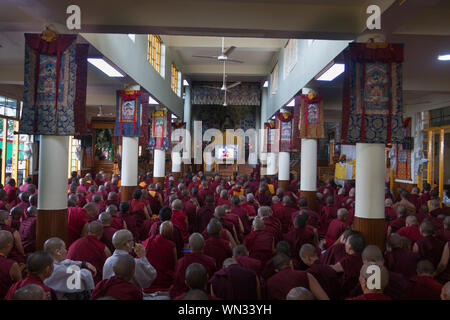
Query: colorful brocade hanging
[[311, 116], [128, 113], [372, 110], [270, 136], [284, 123], [160, 130]]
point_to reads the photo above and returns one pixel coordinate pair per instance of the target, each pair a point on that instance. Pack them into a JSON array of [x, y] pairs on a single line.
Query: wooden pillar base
[[373, 230], [126, 192], [158, 179], [311, 196], [283, 184], [50, 223], [176, 175]]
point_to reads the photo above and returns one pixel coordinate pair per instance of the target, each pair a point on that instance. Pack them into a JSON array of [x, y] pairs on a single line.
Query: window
[[73, 161], [154, 51], [8, 107], [175, 82], [274, 80]]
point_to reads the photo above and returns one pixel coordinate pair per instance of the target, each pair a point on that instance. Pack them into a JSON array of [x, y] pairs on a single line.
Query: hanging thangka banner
[[143, 138], [372, 109], [177, 125], [403, 160], [160, 130], [285, 124], [50, 84], [128, 113], [311, 116], [269, 136]]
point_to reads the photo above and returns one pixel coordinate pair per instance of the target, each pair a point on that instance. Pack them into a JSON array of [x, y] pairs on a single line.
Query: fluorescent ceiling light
[[291, 103], [152, 101], [332, 72], [266, 84], [185, 83], [104, 66], [132, 36], [444, 57]]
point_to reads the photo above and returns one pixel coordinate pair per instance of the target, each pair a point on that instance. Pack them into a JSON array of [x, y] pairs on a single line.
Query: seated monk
[[396, 288], [286, 214], [77, 219], [119, 286], [215, 246], [410, 208], [162, 254], [90, 249], [260, 243], [443, 269], [328, 213], [370, 293], [127, 216], [165, 214], [234, 219], [108, 230], [234, 282], [205, 213], [223, 199], [411, 229], [229, 231], [27, 230], [241, 213], [314, 218], [336, 227], [398, 223], [399, 259], [61, 276], [196, 244], [98, 200], [10, 271], [4, 205], [17, 215], [434, 206], [196, 279], [276, 203], [39, 268], [271, 223], [268, 269], [300, 293], [389, 212], [444, 233], [429, 247], [116, 222], [17, 253], [30, 292], [301, 234], [286, 278], [350, 265], [337, 251], [445, 293], [324, 274], [112, 199], [179, 218], [250, 209], [241, 255], [423, 286], [24, 203], [138, 208], [123, 242]]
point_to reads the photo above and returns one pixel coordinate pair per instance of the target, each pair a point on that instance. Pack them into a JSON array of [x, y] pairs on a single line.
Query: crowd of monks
[[236, 238]]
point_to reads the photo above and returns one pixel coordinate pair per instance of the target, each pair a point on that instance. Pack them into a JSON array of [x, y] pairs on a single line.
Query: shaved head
[[91, 209], [425, 267], [4, 216], [239, 250], [283, 247], [372, 254], [299, 293], [38, 261], [258, 224], [228, 262], [95, 228], [196, 276], [177, 204], [104, 218], [281, 261], [308, 250], [166, 229], [30, 292], [342, 214], [427, 228], [53, 244], [445, 293], [124, 267], [121, 238], [196, 242], [6, 239], [395, 240], [219, 212], [214, 227], [195, 294], [411, 220], [366, 272]]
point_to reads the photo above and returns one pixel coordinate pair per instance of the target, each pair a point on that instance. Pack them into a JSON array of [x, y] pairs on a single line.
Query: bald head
[[445, 293], [447, 222], [214, 227], [219, 212], [299, 293], [195, 294], [6, 241], [228, 262], [342, 214], [196, 242], [121, 238], [264, 212], [177, 204], [105, 218], [4, 216], [258, 224], [30, 292], [283, 247], [239, 250], [395, 240], [308, 251], [427, 228], [411, 221], [91, 209], [95, 228], [124, 267], [372, 254], [196, 276], [281, 261], [38, 262], [425, 267], [166, 229], [369, 269], [53, 244], [401, 211]]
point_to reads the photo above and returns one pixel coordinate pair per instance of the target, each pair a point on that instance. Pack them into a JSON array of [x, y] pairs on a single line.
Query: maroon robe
[[249, 263], [203, 216], [371, 296], [190, 210], [260, 245], [222, 201], [30, 279], [5, 278], [333, 254], [286, 215], [335, 230], [298, 237], [89, 249], [390, 213], [179, 219], [397, 224], [130, 220], [117, 288], [108, 233], [117, 223], [328, 213], [430, 248], [234, 283], [402, 261], [14, 254], [410, 232], [217, 248], [273, 225], [423, 288], [177, 236], [279, 285], [179, 286], [27, 233], [76, 219], [327, 278], [242, 214], [414, 199], [396, 288], [159, 252], [351, 264], [443, 234]]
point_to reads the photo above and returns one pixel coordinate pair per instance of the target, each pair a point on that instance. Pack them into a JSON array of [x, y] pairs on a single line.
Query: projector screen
[[226, 152]]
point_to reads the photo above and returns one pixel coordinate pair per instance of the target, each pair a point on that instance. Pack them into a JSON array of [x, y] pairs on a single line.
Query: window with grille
[[154, 51], [174, 79]]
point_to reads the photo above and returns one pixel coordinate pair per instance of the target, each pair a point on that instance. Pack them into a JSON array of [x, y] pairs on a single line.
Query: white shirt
[[144, 274]]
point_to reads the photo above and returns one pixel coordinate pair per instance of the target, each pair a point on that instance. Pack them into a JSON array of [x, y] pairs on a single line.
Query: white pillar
[[53, 166], [159, 163], [283, 166], [272, 164], [130, 152], [370, 180], [308, 165], [176, 162]]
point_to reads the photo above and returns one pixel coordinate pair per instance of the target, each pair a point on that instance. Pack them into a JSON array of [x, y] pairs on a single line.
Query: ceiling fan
[[223, 56], [101, 114]]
